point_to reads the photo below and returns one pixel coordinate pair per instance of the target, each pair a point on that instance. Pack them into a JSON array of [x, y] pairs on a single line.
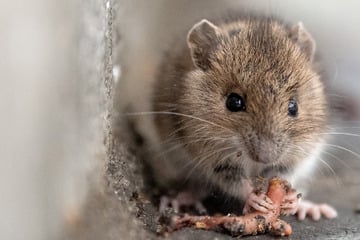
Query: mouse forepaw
[[290, 203], [259, 202], [315, 211], [182, 200]]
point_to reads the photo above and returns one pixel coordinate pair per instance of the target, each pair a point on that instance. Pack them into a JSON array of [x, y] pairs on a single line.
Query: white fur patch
[[305, 169]]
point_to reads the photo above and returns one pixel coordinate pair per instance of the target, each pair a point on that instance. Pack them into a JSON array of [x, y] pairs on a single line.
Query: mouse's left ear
[[303, 39]]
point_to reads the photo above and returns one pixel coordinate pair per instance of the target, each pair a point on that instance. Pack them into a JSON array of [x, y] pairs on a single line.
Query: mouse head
[[255, 82]]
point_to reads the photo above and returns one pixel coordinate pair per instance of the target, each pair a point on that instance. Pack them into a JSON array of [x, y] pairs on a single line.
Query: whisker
[[332, 171], [348, 122], [347, 127], [189, 139], [343, 148], [222, 160], [173, 138], [338, 159], [210, 153], [202, 159], [182, 144], [177, 114], [337, 179], [340, 133]]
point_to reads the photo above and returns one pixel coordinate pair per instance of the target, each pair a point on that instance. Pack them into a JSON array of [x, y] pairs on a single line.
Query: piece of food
[[249, 224]]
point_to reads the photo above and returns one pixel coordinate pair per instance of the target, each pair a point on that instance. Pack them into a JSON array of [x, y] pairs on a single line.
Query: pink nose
[[265, 151], [264, 156]]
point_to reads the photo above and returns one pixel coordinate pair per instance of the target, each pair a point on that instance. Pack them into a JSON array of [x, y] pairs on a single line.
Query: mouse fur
[[196, 144]]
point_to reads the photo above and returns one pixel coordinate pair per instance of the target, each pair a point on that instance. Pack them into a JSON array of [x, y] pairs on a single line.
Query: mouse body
[[238, 99]]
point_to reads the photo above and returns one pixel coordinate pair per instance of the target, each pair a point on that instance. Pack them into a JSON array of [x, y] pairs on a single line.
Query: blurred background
[[51, 72], [52, 68]]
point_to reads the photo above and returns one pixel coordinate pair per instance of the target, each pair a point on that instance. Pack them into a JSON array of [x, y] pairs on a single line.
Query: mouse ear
[[202, 40], [303, 39]]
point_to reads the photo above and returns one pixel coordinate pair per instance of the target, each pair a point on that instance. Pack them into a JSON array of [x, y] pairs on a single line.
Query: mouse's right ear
[[202, 40], [304, 40]]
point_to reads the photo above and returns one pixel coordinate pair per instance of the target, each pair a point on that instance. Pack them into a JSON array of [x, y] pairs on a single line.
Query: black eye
[[292, 108], [235, 103]]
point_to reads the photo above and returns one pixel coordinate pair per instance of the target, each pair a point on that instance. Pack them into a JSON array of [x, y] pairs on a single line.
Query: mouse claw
[[183, 199], [315, 211], [259, 202], [290, 203]]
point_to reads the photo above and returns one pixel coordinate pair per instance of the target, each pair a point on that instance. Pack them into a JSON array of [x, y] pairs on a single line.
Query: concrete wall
[[51, 72]]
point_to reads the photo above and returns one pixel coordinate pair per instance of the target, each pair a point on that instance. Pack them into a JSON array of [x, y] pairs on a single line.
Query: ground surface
[[121, 211]]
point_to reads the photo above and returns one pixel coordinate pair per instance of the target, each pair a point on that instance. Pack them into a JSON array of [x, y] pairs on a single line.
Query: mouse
[[235, 99]]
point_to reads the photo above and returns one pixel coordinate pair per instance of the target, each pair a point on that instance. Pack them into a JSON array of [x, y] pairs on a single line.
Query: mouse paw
[[315, 211], [259, 202], [181, 200], [290, 204]]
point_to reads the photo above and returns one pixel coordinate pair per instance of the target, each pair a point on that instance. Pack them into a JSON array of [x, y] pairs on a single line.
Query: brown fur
[[266, 62]]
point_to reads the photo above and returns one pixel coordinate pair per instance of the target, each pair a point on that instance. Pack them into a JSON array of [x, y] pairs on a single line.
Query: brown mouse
[[238, 99]]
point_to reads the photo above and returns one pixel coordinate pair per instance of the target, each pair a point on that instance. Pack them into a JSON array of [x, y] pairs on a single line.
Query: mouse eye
[[235, 103], [292, 108]]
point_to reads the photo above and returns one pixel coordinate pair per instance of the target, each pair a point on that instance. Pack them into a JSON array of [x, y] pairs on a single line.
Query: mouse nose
[[263, 156], [264, 151]]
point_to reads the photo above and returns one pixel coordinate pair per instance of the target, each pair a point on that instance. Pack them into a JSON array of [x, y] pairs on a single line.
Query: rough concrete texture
[[121, 210], [347, 226], [116, 210]]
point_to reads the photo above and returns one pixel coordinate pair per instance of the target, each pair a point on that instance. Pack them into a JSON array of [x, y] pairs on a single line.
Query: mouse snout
[[264, 151], [264, 156]]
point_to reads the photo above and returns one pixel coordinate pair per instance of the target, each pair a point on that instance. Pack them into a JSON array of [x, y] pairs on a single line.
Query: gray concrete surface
[[121, 209]]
